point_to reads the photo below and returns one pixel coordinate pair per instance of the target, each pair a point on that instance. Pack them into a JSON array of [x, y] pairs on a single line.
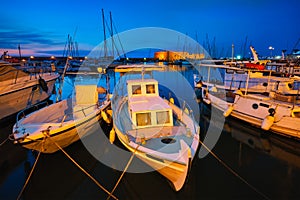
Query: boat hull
[[15, 101], [175, 172], [284, 123], [51, 137]]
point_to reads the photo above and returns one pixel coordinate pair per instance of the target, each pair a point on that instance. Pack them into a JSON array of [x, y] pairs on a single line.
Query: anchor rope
[[125, 169], [83, 170], [31, 172], [232, 171]]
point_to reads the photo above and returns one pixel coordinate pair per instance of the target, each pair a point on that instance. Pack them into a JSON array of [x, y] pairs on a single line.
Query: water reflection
[[269, 162]]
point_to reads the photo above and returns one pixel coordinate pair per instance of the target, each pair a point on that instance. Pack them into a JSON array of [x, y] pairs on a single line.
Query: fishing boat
[[20, 89], [61, 124], [160, 133], [277, 110]]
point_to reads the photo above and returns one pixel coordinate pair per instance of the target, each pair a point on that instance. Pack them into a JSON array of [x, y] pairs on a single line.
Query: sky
[[42, 27]]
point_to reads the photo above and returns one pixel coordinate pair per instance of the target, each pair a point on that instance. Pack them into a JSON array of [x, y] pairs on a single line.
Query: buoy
[[104, 116], [227, 112], [100, 70], [109, 112], [172, 100], [214, 89], [112, 136], [143, 140], [186, 111], [43, 84], [267, 122], [101, 90], [199, 84]]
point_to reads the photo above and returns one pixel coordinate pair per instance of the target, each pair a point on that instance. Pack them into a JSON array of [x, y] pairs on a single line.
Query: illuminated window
[[150, 89], [143, 119], [136, 89], [162, 117]]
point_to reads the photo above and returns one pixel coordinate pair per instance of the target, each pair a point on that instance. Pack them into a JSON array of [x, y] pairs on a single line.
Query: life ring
[[43, 84]]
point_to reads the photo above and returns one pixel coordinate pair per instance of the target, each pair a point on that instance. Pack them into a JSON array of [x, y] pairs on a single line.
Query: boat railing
[[70, 115], [32, 72], [23, 113], [187, 110]]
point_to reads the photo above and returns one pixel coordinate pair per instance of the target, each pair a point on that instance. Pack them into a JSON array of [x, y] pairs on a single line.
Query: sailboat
[[63, 123], [160, 133]]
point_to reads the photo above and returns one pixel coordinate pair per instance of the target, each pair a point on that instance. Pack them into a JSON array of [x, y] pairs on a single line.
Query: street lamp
[[271, 49]]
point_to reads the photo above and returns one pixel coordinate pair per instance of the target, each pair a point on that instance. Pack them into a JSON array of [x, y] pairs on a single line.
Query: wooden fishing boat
[[160, 133], [62, 123], [20, 89]]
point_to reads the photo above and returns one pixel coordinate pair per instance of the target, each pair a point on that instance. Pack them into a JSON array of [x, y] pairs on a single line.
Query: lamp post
[[271, 49]]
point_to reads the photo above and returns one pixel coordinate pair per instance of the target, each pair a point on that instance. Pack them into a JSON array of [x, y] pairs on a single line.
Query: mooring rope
[[125, 169], [233, 172], [83, 170], [30, 174], [4, 141]]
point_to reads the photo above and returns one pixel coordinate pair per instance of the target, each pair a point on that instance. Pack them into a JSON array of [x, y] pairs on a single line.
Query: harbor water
[[246, 163]]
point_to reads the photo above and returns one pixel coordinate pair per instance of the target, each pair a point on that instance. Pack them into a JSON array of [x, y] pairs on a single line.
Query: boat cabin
[[146, 107]]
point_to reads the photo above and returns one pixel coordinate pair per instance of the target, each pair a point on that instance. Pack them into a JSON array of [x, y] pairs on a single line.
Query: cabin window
[[143, 119], [136, 89], [162, 117], [150, 89]]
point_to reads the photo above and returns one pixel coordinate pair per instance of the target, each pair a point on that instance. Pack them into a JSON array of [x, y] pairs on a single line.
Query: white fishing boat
[[62, 123], [160, 133], [20, 89], [277, 111]]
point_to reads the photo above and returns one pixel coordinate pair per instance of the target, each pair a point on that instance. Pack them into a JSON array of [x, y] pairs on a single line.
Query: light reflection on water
[[270, 163]]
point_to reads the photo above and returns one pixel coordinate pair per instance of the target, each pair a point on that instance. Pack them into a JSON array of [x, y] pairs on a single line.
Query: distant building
[[176, 55]]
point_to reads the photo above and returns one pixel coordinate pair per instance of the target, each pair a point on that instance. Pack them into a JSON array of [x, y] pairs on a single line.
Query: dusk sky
[[42, 27]]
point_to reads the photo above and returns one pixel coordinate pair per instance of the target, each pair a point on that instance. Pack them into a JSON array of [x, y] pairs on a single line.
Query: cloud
[[10, 39]]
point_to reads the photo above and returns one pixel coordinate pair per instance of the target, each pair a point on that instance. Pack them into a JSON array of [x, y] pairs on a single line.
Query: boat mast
[[19, 52], [232, 53], [104, 34], [111, 35]]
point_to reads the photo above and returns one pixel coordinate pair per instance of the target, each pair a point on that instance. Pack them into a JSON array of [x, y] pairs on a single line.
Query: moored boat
[[20, 89], [278, 111], [160, 133], [63, 123]]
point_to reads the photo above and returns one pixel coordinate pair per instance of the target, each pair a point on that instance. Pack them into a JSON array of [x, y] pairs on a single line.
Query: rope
[[233, 172], [4, 141], [129, 162], [83, 170], [33, 167]]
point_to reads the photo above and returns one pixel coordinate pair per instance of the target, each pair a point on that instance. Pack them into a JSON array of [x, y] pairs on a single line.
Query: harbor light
[[31, 57], [271, 49], [52, 57]]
